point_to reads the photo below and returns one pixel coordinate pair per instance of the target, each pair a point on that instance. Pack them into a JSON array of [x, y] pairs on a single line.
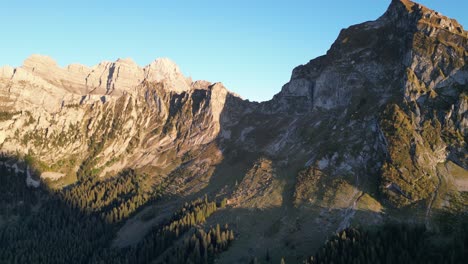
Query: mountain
[[371, 132]]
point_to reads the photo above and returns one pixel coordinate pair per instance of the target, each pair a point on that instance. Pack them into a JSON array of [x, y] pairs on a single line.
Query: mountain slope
[[374, 130]]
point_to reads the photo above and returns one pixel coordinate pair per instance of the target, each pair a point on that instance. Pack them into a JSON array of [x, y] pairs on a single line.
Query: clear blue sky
[[250, 46]]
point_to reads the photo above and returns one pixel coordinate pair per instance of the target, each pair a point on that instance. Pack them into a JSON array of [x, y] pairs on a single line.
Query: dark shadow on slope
[[38, 226], [296, 234], [284, 232], [42, 225]]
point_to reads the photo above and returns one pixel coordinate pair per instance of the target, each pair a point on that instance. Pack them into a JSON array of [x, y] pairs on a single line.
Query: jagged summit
[[165, 64], [164, 68], [128, 61], [160, 64], [41, 81], [105, 78], [36, 60], [406, 3], [423, 16]]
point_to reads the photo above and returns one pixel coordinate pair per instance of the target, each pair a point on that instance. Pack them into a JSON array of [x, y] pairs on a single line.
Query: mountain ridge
[[375, 130], [362, 64]]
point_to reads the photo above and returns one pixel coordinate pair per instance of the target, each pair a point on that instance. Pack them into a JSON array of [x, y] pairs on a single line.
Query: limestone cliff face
[[113, 116]]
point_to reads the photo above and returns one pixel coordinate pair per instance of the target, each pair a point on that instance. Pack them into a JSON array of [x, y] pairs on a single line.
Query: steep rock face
[[129, 122], [402, 76]]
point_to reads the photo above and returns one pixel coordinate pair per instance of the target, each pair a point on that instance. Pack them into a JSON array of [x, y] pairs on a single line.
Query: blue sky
[[250, 46]]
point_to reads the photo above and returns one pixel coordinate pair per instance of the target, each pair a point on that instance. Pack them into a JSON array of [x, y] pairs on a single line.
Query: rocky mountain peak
[[408, 5], [128, 61], [165, 69], [37, 61], [372, 57], [165, 65], [422, 16]]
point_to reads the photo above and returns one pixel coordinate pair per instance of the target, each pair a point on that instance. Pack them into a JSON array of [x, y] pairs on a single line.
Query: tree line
[[394, 243], [77, 224]]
